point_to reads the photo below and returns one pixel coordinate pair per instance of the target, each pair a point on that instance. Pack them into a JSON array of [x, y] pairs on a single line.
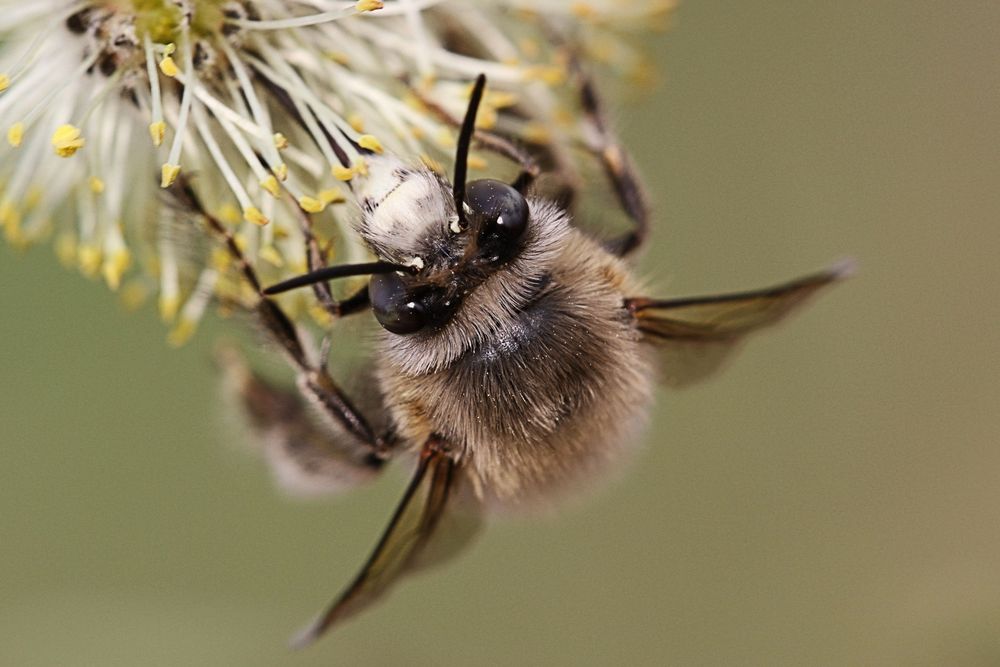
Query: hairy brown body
[[515, 351], [549, 393]]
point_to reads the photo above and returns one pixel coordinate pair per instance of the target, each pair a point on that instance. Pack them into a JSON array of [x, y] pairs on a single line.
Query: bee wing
[[402, 544], [697, 334]]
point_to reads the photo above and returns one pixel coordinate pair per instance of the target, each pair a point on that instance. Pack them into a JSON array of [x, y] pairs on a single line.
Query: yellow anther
[[583, 10], [281, 232], [643, 75], [280, 141], [536, 133], [241, 241], [33, 197], [168, 49], [66, 249], [477, 162], [96, 185], [530, 48], [66, 140], [253, 214], [169, 305], [229, 214], [134, 294], [332, 196], [368, 5], [271, 255], [431, 163], [371, 143], [601, 49], [411, 100], [270, 183], [342, 173], [426, 81], [157, 131], [89, 260], [182, 333], [15, 133], [169, 67], [444, 138], [550, 74], [311, 204], [9, 214], [356, 121], [168, 174], [115, 266], [4, 82], [486, 119], [564, 117], [281, 171], [10, 218], [501, 99], [221, 259], [361, 167], [15, 236], [339, 57], [320, 316]]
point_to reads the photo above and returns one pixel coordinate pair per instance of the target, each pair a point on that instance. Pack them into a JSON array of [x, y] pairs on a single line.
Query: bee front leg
[[306, 455], [617, 164]]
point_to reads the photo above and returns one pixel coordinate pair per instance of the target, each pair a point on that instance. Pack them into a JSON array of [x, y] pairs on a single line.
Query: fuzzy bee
[[516, 359]]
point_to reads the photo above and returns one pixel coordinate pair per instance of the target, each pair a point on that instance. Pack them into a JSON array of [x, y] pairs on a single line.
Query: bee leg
[[421, 532], [314, 381], [316, 384], [306, 456], [510, 150], [618, 166]]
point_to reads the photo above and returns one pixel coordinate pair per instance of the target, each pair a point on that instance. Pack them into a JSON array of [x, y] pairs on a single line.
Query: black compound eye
[[504, 211], [393, 306]]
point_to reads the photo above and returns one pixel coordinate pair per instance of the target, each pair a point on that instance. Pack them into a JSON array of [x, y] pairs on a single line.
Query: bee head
[[454, 236], [468, 254]]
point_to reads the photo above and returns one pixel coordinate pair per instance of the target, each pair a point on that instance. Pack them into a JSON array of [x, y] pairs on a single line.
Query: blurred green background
[[832, 499]]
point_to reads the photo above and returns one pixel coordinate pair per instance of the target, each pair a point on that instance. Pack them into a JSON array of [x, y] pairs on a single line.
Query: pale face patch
[[402, 206]]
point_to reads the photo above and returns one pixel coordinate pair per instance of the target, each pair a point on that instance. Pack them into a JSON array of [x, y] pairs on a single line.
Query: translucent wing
[[697, 334], [402, 547]]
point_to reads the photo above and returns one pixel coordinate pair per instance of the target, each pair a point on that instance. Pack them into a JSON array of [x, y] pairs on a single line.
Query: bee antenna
[[331, 272], [464, 143]]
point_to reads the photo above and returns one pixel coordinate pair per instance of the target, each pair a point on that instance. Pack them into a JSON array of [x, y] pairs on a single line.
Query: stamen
[[194, 308], [307, 117], [257, 110], [169, 281], [325, 113], [172, 167], [157, 127], [421, 44], [250, 212], [57, 88], [348, 9], [117, 258]]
